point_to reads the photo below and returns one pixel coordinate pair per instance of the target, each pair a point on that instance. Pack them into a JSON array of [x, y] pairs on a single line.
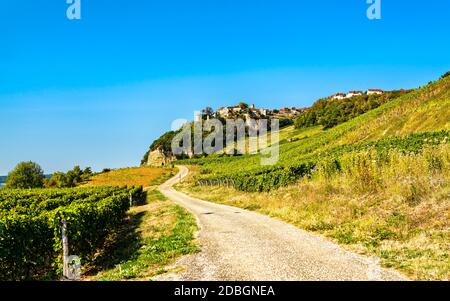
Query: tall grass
[[410, 176], [394, 205]]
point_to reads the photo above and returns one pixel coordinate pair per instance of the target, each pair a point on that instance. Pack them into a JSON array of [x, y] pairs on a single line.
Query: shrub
[[26, 175]]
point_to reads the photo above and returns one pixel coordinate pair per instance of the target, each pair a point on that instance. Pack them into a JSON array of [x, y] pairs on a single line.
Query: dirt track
[[241, 245]]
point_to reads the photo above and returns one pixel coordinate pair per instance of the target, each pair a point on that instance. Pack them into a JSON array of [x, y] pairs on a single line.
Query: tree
[[331, 112], [243, 105], [72, 178], [284, 122], [207, 112], [26, 175], [87, 174], [58, 180]]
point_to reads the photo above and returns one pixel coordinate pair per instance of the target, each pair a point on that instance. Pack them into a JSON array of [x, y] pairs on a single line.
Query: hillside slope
[[378, 184], [425, 110]]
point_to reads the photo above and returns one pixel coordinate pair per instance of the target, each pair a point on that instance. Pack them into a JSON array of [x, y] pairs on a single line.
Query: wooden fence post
[[65, 245]]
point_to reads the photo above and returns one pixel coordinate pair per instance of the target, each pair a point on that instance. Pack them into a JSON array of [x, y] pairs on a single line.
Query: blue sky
[[97, 91]]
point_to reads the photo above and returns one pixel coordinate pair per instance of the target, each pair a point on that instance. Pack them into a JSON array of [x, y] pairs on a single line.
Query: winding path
[[237, 244]]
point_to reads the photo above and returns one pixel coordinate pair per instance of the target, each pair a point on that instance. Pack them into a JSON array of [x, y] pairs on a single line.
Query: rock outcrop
[[159, 158]]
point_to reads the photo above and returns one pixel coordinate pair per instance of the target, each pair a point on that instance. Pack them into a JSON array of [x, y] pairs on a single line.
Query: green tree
[[87, 174], [446, 75], [72, 178], [331, 112], [58, 180], [207, 112], [26, 175], [243, 105]]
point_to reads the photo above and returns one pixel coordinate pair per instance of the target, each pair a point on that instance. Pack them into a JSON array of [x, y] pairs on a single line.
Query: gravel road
[[237, 244]]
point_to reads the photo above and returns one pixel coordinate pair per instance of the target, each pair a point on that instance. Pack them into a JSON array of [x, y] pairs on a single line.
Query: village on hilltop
[[161, 157], [252, 112], [352, 93], [243, 110]]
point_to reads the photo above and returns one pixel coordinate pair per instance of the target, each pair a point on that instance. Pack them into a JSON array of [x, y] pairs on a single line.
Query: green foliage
[[264, 180], [285, 122], [326, 163], [164, 142], [445, 75], [30, 225], [26, 175], [331, 112], [156, 250], [207, 112], [407, 124], [72, 178], [243, 105]]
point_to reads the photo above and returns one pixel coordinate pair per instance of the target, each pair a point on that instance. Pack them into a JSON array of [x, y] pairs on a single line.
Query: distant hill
[[404, 123], [377, 183], [2, 180]]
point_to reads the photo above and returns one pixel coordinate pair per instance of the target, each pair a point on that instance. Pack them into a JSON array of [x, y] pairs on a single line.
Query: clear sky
[[97, 91]]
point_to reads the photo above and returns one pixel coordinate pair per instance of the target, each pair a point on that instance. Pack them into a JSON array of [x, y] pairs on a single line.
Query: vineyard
[[377, 183], [30, 226], [408, 124], [266, 179]]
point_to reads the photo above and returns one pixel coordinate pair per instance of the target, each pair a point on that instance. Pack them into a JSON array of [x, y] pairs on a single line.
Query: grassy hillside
[[425, 110], [330, 112], [132, 176], [378, 184]]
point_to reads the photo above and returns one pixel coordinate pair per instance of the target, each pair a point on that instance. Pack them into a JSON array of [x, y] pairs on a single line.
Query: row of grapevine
[[30, 242], [259, 178], [264, 180], [34, 201]]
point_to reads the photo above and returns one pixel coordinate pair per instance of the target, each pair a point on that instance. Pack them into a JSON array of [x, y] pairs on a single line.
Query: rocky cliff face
[[159, 158]]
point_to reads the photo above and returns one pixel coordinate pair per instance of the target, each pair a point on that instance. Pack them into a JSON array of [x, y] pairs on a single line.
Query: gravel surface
[[237, 244]]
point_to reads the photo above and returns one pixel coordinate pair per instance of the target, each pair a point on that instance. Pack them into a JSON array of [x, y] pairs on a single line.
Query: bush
[[285, 122], [72, 178], [26, 175], [331, 112]]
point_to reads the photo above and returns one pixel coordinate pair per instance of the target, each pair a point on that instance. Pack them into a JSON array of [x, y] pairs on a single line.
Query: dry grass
[[133, 176], [154, 235], [404, 222], [159, 223]]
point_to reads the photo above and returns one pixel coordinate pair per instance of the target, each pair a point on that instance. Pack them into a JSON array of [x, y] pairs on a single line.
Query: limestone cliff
[[159, 158]]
